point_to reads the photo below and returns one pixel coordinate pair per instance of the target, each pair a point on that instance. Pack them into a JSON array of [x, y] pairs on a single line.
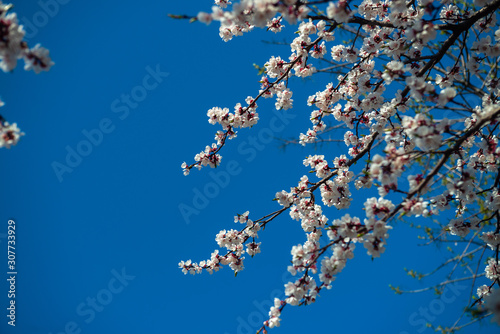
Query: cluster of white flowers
[[347, 227], [12, 48], [415, 95], [241, 118], [9, 134], [276, 67], [393, 70], [247, 14], [462, 227], [275, 25], [492, 239], [319, 163], [208, 157], [417, 207], [274, 314], [483, 291], [336, 193], [303, 207], [486, 159], [387, 170], [342, 53], [339, 11], [378, 207], [485, 46], [464, 189], [492, 270], [450, 13], [426, 134], [234, 241], [284, 99]]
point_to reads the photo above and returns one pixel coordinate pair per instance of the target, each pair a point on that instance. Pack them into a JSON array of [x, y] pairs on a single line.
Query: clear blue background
[[119, 208]]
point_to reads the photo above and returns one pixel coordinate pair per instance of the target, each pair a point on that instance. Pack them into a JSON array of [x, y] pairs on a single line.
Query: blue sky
[[98, 245]]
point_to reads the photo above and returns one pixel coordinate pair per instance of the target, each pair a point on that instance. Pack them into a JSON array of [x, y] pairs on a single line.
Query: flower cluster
[[243, 117], [234, 241], [246, 15], [461, 227], [12, 46], [493, 270], [274, 314], [9, 134], [387, 170], [414, 94], [427, 135]]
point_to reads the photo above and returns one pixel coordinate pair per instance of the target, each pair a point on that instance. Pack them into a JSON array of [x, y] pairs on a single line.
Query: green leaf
[[261, 70]]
